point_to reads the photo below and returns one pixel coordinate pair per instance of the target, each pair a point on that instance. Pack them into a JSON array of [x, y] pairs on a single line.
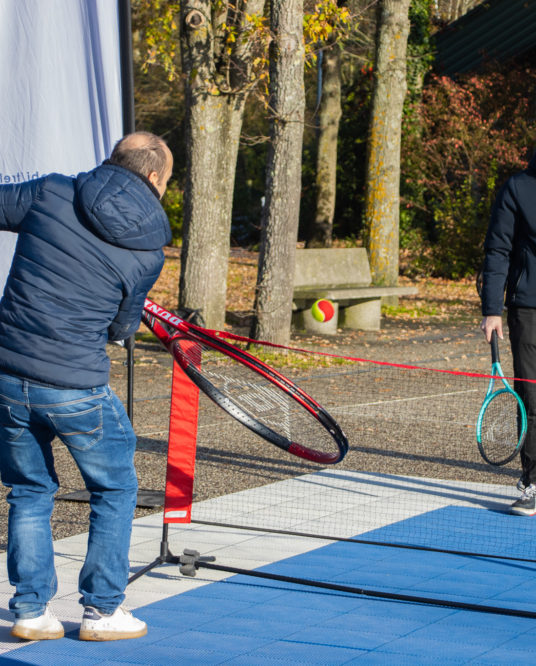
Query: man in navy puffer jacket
[[510, 266], [89, 249]]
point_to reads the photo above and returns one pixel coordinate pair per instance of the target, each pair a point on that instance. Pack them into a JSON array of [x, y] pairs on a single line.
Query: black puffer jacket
[[510, 246], [88, 251]]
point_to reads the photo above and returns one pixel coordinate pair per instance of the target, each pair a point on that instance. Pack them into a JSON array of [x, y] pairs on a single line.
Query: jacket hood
[[121, 208]]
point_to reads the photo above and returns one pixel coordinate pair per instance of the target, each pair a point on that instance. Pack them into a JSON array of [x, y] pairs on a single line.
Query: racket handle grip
[[494, 347]]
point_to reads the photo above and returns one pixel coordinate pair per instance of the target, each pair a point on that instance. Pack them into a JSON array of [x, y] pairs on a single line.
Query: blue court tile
[[186, 603], [281, 659], [464, 576], [292, 616], [172, 621], [390, 627], [404, 610], [468, 635], [487, 621], [62, 650], [239, 621], [267, 582], [446, 588], [158, 656], [215, 642], [112, 662], [527, 587], [320, 558], [369, 554], [303, 653], [242, 591], [320, 600], [296, 569], [429, 646], [41, 660], [392, 659], [526, 641], [337, 637], [377, 580], [500, 567], [502, 656], [252, 626], [479, 534]]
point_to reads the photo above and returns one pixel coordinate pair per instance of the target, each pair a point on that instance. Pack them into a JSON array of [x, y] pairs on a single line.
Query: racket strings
[[256, 396], [500, 427]]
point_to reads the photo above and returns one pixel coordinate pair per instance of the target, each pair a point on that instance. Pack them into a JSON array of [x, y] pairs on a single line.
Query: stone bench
[[341, 275]]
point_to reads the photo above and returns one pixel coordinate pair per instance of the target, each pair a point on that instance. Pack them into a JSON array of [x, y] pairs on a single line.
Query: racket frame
[[497, 373], [154, 316]]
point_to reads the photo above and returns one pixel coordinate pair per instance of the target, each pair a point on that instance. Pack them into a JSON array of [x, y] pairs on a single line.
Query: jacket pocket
[[518, 278], [79, 430]]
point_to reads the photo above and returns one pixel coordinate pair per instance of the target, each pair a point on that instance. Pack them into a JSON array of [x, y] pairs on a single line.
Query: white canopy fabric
[[60, 88]]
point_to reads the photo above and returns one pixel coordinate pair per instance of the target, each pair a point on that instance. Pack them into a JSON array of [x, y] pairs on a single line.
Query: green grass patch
[[295, 360], [413, 311]]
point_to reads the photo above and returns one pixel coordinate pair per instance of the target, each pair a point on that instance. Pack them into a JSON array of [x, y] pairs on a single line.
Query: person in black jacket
[[509, 278], [89, 249]]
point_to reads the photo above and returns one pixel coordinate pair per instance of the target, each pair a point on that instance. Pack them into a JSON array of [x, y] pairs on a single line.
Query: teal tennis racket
[[502, 421]]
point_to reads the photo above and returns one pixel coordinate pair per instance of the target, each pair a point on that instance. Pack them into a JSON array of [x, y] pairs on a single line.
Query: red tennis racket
[[252, 392]]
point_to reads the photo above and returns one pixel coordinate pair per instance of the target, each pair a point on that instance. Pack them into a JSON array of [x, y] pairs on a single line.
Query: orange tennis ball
[[322, 310]]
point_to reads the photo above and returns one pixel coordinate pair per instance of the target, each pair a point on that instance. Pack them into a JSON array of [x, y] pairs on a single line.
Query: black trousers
[[522, 332]]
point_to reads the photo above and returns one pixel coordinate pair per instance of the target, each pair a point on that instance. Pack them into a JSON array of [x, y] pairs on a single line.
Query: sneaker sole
[[523, 512], [94, 635], [36, 635]]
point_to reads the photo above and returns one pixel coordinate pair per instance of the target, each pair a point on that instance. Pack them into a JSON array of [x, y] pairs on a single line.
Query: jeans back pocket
[[10, 431], [81, 430]]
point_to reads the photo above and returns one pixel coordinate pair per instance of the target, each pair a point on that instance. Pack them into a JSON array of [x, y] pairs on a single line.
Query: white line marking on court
[[386, 402]]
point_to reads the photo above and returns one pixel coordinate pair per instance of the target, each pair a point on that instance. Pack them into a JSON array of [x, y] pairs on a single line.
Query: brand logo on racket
[[162, 313], [271, 406]]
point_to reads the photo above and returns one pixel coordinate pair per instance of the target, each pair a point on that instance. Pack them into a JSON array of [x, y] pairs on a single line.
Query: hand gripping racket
[[502, 421], [248, 389]]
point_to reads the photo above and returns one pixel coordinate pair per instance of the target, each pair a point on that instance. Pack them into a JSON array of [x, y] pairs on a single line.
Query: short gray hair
[[141, 152]]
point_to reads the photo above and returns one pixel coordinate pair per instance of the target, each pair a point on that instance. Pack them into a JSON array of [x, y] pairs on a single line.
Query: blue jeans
[[94, 426]]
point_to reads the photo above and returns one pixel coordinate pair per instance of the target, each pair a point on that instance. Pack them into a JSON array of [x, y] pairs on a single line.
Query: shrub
[[461, 141], [172, 202]]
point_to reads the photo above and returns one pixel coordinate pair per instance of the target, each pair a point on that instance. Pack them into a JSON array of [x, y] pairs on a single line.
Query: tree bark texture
[[382, 200], [216, 90], [273, 305], [450, 10], [326, 160], [213, 132]]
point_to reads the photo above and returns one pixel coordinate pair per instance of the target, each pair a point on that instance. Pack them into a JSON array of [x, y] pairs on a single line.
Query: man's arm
[[498, 247], [15, 201], [127, 320]]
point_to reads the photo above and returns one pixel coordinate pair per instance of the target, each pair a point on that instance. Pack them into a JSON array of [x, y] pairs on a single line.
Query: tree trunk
[[326, 161], [382, 200], [213, 132], [217, 84], [273, 304]]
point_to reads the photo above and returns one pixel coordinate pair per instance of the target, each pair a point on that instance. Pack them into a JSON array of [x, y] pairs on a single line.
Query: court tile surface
[[218, 618]]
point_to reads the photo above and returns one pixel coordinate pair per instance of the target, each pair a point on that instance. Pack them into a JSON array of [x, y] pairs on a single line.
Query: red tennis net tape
[[182, 441]]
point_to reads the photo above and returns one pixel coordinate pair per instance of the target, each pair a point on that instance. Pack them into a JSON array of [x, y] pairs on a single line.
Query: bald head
[[146, 154]]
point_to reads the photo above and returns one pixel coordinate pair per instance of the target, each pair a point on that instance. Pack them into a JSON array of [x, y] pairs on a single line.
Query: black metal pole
[[129, 125], [127, 66]]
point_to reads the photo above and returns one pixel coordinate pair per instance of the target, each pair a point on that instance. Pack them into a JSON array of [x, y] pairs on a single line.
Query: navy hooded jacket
[[88, 250], [510, 246]]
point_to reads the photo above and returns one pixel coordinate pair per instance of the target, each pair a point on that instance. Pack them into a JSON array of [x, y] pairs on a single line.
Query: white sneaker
[[97, 626], [44, 627]]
